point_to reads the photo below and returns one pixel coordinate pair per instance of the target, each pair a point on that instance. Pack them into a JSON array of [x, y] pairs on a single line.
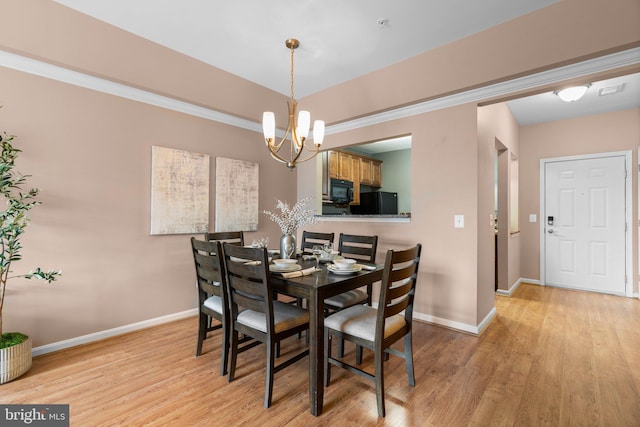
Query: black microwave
[[341, 191]]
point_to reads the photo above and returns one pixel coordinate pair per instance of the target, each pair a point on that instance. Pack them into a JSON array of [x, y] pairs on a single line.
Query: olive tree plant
[[13, 222]]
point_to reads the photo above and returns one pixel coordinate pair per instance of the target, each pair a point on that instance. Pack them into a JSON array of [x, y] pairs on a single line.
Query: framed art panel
[[236, 195], [179, 191]]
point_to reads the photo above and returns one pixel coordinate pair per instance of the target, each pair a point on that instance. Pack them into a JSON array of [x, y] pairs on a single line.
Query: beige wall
[[566, 32], [444, 172], [587, 135], [497, 131], [90, 153]]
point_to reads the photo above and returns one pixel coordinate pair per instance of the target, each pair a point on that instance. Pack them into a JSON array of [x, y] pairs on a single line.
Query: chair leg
[[340, 348], [225, 348], [358, 354], [379, 374], [268, 388], [203, 321], [408, 357], [327, 355], [234, 355]]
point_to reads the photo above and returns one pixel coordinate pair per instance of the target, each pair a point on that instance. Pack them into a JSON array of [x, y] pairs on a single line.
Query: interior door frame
[[628, 286]]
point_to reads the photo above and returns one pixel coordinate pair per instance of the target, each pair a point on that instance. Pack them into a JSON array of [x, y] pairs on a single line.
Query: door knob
[[550, 231]]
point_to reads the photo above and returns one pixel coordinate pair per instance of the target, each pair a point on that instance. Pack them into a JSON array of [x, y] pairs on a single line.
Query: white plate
[[332, 268], [285, 269]]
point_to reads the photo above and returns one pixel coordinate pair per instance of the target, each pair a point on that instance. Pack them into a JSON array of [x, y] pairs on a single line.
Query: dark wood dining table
[[315, 288]]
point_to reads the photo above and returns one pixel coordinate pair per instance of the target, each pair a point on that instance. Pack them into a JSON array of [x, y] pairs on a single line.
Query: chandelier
[[297, 129]]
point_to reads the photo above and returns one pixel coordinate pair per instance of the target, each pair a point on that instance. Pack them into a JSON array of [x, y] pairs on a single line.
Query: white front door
[[584, 224]]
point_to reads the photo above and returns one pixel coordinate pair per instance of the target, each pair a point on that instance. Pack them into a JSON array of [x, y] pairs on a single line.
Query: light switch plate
[[458, 221], [532, 218]]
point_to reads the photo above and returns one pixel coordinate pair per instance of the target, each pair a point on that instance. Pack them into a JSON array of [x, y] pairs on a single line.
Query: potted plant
[[15, 347]]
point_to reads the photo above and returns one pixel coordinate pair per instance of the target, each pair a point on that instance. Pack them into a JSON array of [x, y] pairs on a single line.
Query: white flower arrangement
[[290, 219]]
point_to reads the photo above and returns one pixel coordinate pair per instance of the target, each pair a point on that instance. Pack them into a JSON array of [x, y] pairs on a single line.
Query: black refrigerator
[[377, 203]]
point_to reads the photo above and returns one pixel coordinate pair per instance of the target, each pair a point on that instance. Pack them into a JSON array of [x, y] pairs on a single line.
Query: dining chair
[[378, 328], [310, 239], [212, 295], [360, 248], [256, 314], [236, 237]]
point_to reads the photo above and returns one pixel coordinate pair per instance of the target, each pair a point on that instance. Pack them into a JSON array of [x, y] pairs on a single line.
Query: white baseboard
[[464, 327], [513, 288], [96, 336], [85, 339]]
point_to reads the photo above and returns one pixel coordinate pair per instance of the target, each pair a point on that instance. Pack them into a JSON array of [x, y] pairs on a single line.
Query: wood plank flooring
[[550, 357]]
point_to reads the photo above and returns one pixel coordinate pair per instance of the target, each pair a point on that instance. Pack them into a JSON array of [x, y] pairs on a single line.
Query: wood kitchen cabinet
[[340, 165], [355, 171], [370, 172]]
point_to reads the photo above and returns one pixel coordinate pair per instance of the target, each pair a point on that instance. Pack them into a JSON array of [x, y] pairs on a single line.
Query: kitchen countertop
[[365, 218]]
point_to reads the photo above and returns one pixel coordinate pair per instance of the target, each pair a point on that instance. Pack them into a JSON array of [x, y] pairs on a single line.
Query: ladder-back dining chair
[[311, 239], [236, 237], [378, 328], [360, 248], [256, 314], [212, 295]]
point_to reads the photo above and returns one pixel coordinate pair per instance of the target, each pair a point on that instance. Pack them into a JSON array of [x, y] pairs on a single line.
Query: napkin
[[305, 272], [368, 267]]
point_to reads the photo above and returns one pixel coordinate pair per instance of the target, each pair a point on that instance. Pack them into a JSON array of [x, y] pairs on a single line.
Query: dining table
[[315, 287]]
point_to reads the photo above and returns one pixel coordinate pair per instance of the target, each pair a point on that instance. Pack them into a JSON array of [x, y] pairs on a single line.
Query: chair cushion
[[285, 316], [347, 299], [360, 321], [214, 303]]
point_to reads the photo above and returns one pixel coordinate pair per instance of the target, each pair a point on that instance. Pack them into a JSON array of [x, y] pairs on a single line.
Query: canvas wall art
[[236, 195], [179, 191]]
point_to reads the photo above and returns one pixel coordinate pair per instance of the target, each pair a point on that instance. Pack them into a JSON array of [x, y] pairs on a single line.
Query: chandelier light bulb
[[318, 132], [304, 121], [269, 125]]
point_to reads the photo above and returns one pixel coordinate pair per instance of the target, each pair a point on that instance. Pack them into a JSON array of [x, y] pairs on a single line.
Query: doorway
[[586, 208]]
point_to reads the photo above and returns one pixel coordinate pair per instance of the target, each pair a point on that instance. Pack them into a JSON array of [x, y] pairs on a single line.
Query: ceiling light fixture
[[297, 129], [571, 94]]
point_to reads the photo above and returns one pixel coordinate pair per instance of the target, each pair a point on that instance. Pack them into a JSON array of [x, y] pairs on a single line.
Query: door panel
[[585, 224]]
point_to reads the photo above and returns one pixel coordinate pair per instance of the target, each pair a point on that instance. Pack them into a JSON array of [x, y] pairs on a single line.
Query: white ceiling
[[547, 106], [339, 40]]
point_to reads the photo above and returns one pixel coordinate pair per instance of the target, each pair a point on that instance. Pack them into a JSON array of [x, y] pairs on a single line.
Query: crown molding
[[61, 74], [54, 72], [532, 81]]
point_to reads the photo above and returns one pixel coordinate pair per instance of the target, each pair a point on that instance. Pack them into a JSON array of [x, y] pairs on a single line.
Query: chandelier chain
[[291, 72]]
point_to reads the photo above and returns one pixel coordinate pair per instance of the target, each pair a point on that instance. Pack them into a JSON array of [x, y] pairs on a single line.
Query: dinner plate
[[285, 269], [332, 268]]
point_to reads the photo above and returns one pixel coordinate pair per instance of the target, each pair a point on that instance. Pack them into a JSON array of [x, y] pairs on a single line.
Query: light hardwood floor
[[550, 357]]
